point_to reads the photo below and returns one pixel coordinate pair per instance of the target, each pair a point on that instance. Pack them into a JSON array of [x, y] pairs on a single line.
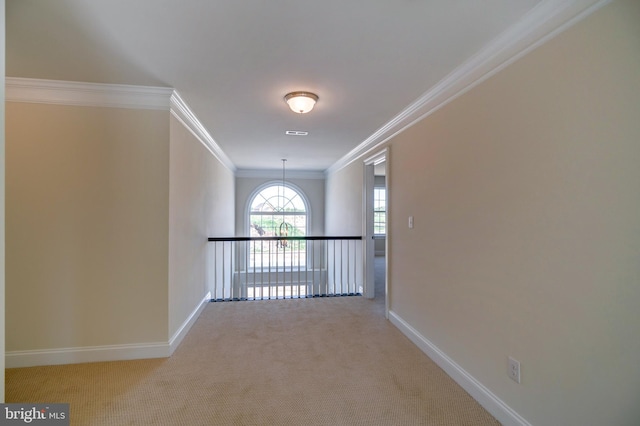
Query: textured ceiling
[[233, 61]]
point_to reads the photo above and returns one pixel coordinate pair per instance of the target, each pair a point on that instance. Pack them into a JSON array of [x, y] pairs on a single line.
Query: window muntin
[[277, 198], [270, 208], [274, 205], [379, 211]]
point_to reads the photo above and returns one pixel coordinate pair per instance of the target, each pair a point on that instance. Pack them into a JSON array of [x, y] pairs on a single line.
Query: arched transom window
[[274, 206], [277, 210]]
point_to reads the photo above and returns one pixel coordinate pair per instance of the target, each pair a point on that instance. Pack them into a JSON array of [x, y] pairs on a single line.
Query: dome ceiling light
[[301, 102]]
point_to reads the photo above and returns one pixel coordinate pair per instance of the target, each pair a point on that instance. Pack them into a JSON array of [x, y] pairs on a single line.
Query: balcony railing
[[259, 268]]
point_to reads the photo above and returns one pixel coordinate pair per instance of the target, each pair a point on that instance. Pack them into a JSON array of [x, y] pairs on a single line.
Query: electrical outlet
[[514, 370], [410, 222]]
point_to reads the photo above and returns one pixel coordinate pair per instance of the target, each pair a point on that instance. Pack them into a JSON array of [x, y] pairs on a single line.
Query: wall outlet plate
[[513, 370]]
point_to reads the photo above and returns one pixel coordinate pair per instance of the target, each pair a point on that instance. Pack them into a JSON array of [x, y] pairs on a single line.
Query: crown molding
[[277, 174], [181, 111], [546, 20], [113, 96], [86, 94]]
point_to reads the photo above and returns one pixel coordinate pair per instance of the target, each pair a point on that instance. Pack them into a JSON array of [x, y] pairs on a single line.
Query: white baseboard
[[176, 339], [19, 359], [494, 405]]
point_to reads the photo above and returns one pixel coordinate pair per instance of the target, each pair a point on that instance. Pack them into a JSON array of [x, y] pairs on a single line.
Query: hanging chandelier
[[284, 228]]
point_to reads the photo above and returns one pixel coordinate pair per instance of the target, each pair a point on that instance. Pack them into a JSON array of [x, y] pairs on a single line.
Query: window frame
[[265, 185], [376, 199]]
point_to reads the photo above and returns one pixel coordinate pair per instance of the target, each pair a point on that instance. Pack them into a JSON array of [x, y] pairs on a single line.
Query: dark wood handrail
[[275, 238]]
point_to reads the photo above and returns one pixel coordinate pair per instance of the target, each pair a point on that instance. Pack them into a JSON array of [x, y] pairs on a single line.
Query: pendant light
[[283, 230]]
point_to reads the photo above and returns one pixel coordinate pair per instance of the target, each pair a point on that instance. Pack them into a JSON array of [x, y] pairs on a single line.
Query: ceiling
[[233, 61]]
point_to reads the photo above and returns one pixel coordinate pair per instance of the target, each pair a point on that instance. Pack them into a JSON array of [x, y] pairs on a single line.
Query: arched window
[[278, 210]]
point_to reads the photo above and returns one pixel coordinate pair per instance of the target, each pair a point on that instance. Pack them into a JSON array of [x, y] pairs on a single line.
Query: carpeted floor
[[327, 361]]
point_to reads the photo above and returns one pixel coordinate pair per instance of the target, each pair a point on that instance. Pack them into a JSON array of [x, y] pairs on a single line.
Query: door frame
[[367, 232]]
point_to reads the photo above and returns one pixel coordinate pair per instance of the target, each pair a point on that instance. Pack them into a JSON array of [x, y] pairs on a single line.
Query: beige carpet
[[330, 361]]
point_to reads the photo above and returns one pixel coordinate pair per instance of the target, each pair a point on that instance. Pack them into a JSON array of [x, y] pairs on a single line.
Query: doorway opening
[[376, 230]]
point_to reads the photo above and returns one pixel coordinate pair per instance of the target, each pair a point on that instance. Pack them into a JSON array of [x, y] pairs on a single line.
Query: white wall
[[313, 189], [344, 192], [526, 235], [87, 236], [108, 214], [344, 201], [201, 204]]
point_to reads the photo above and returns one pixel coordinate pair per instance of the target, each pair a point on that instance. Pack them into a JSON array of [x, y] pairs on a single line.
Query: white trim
[[274, 174], [494, 405], [368, 224], [86, 94], [19, 359], [539, 25], [266, 184], [181, 111], [377, 158], [113, 96], [175, 341]]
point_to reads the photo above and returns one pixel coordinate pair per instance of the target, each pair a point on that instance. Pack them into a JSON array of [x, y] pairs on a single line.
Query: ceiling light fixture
[[301, 102]]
